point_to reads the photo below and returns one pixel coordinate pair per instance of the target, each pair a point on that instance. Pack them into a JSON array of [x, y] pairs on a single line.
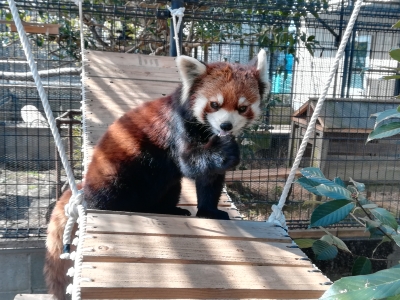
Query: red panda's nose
[[226, 126]]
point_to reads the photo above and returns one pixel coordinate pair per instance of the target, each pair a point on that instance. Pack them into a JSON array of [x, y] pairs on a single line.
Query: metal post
[[172, 46]]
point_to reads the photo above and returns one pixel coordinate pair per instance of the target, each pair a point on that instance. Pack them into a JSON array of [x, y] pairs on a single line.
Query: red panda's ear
[[189, 69], [262, 66]]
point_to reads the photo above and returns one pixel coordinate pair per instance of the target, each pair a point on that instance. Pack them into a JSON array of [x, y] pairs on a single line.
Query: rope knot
[[277, 217], [71, 208], [177, 12]]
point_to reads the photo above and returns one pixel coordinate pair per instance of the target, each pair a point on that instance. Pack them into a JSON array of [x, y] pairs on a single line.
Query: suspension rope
[[75, 209], [277, 216], [43, 96], [177, 13]]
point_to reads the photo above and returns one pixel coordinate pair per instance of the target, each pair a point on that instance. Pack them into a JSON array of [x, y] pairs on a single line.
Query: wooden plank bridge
[[142, 256]]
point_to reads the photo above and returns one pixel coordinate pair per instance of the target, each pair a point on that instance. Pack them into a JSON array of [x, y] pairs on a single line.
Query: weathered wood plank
[[157, 249], [142, 224], [128, 60], [339, 232], [52, 29], [176, 281]]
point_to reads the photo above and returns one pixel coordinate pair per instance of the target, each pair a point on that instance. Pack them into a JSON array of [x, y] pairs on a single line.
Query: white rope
[[177, 13], [277, 215], [42, 95], [76, 272]]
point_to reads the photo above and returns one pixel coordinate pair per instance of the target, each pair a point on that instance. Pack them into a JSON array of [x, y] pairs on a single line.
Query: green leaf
[[324, 181], [397, 25], [362, 200], [395, 54], [370, 206], [331, 212], [340, 244], [333, 240], [304, 243], [389, 77], [309, 185], [336, 192], [361, 266], [385, 217], [339, 181], [387, 114], [371, 223], [396, 238], [323, 250], [383, 131], [380, 231], [360, 186], [385, 283], [312, 172]]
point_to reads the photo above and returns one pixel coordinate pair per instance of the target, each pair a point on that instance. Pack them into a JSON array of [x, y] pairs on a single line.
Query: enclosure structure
[[339, 145], [366, 59], [213, 31]]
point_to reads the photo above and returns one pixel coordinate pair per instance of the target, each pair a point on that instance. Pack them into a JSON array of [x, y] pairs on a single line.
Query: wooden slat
[[257, 174], [141, 224], [100, 63], [40, 28], [339, 232], [175, 281], [156, 249]]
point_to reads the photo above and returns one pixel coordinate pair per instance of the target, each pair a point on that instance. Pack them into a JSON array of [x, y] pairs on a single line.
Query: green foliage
[[331, 212], [361, 266], [304, 243], [324, 250], [384, 131], [278, 30], [387, 130], [340, 202], [380, 285]]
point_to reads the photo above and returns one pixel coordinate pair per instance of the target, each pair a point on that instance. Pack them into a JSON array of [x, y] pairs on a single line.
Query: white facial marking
[[199, 107], [243, 101], [220, 99], [189, 69], [221, 116]]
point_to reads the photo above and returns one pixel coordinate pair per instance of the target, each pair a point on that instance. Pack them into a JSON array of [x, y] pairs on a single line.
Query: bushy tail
[[55, 268]]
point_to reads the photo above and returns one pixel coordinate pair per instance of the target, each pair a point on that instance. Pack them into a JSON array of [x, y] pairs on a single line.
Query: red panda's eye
[[242, 109], [214, 105]]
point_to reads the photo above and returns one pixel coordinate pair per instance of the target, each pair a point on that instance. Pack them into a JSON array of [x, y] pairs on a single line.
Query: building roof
[[345, 113]]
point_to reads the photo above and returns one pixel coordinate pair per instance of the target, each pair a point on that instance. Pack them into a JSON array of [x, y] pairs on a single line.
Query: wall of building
[[21, 264]]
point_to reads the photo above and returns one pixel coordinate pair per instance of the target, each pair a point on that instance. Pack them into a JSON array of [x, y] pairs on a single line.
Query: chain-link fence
[[301, 38]]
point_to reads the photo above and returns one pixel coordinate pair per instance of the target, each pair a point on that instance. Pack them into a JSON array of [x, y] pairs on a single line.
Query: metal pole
[[172, 46]]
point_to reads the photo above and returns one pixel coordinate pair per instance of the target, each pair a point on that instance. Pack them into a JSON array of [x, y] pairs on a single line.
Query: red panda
[[138, 164]]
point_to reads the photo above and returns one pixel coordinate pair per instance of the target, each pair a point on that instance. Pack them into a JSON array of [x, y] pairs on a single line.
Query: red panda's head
[[225, 96]]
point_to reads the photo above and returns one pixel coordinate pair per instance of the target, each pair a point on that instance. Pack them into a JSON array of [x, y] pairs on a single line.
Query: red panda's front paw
[[229, 150], [212, 214]]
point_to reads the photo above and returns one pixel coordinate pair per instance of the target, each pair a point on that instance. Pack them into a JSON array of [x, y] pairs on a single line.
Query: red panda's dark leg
[[169, 201], [208, 189]]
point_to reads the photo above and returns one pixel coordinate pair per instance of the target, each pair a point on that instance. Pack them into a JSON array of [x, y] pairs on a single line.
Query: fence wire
[[301, 38]]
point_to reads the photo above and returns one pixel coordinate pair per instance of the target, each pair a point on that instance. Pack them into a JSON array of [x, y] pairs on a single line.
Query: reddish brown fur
[[234, 84], [56, 269], [116, 144], [148, 124]]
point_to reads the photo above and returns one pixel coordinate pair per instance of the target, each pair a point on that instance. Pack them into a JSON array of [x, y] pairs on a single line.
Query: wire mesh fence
[[301, 38]]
